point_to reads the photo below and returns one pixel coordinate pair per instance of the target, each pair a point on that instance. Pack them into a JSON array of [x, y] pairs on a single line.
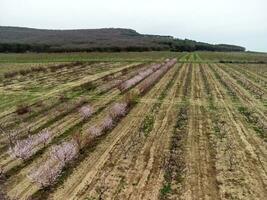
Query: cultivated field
[[159, 125]]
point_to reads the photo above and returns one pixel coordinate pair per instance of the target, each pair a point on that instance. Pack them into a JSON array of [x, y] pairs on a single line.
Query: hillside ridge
[[23, 39]]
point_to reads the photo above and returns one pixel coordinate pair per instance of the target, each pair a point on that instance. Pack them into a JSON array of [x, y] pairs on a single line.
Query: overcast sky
[[241, 22]]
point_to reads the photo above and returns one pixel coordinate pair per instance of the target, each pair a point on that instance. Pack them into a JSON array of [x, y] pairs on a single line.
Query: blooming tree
[[25, 148], [64, 152], [110, 85], [139, 77], [107, 123], [118, 110], [86, 111], [46, 174], [147, 83], [48, 171], [95, 131]]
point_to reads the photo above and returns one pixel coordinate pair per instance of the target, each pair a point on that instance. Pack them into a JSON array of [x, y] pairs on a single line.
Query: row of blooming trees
[[25, 148], [123, 77], [60, 155], [86, 111], [150, 81], [109, 85], [139, 77], [117, 111]]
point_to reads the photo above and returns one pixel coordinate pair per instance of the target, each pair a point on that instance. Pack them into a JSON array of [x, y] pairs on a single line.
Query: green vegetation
[[252, 118], [165, 190], [19, 40], [43, 58], [191, 45], [147, 125], [234, 57]]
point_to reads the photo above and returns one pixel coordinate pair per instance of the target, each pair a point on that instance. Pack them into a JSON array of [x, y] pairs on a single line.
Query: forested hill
[[17, 39]]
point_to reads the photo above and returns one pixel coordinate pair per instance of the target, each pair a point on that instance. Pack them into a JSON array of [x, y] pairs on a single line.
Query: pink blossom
[[118, 110], [107, 123], [86, 111], [147, 83], [48, 171], [109, 85], [95, 131], [64, 152], [46, 174], [139, 77], [25, 148]]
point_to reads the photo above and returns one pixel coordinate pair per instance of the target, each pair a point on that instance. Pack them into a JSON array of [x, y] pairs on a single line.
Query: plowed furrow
[[239, 154]]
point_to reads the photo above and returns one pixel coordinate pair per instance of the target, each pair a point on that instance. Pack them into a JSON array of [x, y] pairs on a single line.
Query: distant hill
[[17, 39]]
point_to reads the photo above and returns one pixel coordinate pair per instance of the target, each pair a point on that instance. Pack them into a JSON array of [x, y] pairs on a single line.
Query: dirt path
[[149, 171], [200, 176]]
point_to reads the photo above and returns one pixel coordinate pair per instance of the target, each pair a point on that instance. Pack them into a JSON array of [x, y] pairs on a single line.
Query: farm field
[[156, 125]]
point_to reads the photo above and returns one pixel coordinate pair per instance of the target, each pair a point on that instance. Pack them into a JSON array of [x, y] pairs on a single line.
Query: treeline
[[181, 45], [242, 62], [191, 45], [22, 48]]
